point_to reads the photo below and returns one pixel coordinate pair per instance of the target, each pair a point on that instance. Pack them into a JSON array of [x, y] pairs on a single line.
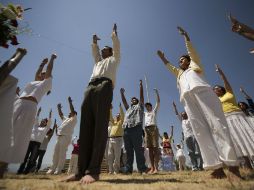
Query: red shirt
[[75, 149]]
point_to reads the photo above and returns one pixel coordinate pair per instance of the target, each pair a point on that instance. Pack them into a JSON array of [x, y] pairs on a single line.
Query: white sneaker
[[50, 171], [57, 173]]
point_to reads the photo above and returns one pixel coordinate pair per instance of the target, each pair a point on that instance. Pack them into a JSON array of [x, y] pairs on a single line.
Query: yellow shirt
[[229, 103], [117, 129]]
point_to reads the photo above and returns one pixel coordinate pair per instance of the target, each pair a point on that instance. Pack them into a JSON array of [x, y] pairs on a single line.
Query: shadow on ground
[[140, 181]]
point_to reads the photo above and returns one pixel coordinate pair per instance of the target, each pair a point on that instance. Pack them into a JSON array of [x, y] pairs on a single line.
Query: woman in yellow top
[[240, 127]]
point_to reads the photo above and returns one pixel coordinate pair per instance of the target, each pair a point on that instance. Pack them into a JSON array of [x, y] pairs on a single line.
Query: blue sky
[[66, 27]]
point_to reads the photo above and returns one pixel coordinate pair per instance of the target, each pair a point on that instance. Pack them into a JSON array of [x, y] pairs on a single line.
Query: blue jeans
[[194, 152], [133, 142]]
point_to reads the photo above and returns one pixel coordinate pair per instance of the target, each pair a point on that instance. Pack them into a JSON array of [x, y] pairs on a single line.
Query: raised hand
[[241, 89], [50, 113], [140, 82], [39, 110], [22, 51], [217, 68], [59, 106], [181, 30], [174, 105], [122, 90], [69, 99], [95, 39], [44, 61], [53, 56], [161, 54], [115, 28]]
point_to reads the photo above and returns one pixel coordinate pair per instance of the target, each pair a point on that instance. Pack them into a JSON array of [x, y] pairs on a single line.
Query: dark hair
[[110, 48], [75, 112], [221, 87], [148, 104], [134, 98], [244, 103], [165, 134], [187, 57], [246, 110]]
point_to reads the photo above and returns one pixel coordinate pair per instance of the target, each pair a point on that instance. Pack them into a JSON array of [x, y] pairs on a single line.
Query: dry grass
[[162, 181]]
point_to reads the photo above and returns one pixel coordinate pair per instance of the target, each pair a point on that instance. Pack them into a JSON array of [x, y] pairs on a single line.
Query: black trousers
[[94, 126], [40, 154], [29, 161]]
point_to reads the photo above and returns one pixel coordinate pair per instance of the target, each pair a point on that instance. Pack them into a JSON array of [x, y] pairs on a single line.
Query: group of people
[[217, 131]]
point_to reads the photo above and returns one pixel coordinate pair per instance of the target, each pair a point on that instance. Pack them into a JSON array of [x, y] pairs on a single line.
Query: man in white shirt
[[38, 133], [205, 113], [95, 110], [8, 84], [64, 135], [152, 133]]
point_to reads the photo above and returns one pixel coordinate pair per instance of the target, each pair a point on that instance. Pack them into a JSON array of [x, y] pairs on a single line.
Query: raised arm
[[248, 98], [71, 105], [170, 67], [10, 64], [111, 118], [39, 70], [59, 108], [227, 86], [116, 44], [171, 132], [121, 112], [36, 121], [241, 28], [50, 66], [141, 92], [49, 120], [244, 93], [157, 105], [126, 105], [54, 128], [176, 111], [96, 49], [195, 63]]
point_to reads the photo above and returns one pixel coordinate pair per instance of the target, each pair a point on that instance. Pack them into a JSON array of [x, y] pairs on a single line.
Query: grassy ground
[[163, 181]]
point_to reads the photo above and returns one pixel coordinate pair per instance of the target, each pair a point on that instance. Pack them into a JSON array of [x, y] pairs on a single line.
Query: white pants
[[73, 167], [114, 154], [23, 120], [59, 156], [7, 97], [242, 133], [210, 127]]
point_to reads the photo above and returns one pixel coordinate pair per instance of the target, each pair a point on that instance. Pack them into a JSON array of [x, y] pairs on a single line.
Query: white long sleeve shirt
[[192, 77], [67, 126], [106, 67], [39, 133]]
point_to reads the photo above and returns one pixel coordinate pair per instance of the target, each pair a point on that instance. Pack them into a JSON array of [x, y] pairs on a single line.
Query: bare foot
[[235, 173], [218, 174], [70, 178], [155, 171], [151, 171], [87, 179]]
